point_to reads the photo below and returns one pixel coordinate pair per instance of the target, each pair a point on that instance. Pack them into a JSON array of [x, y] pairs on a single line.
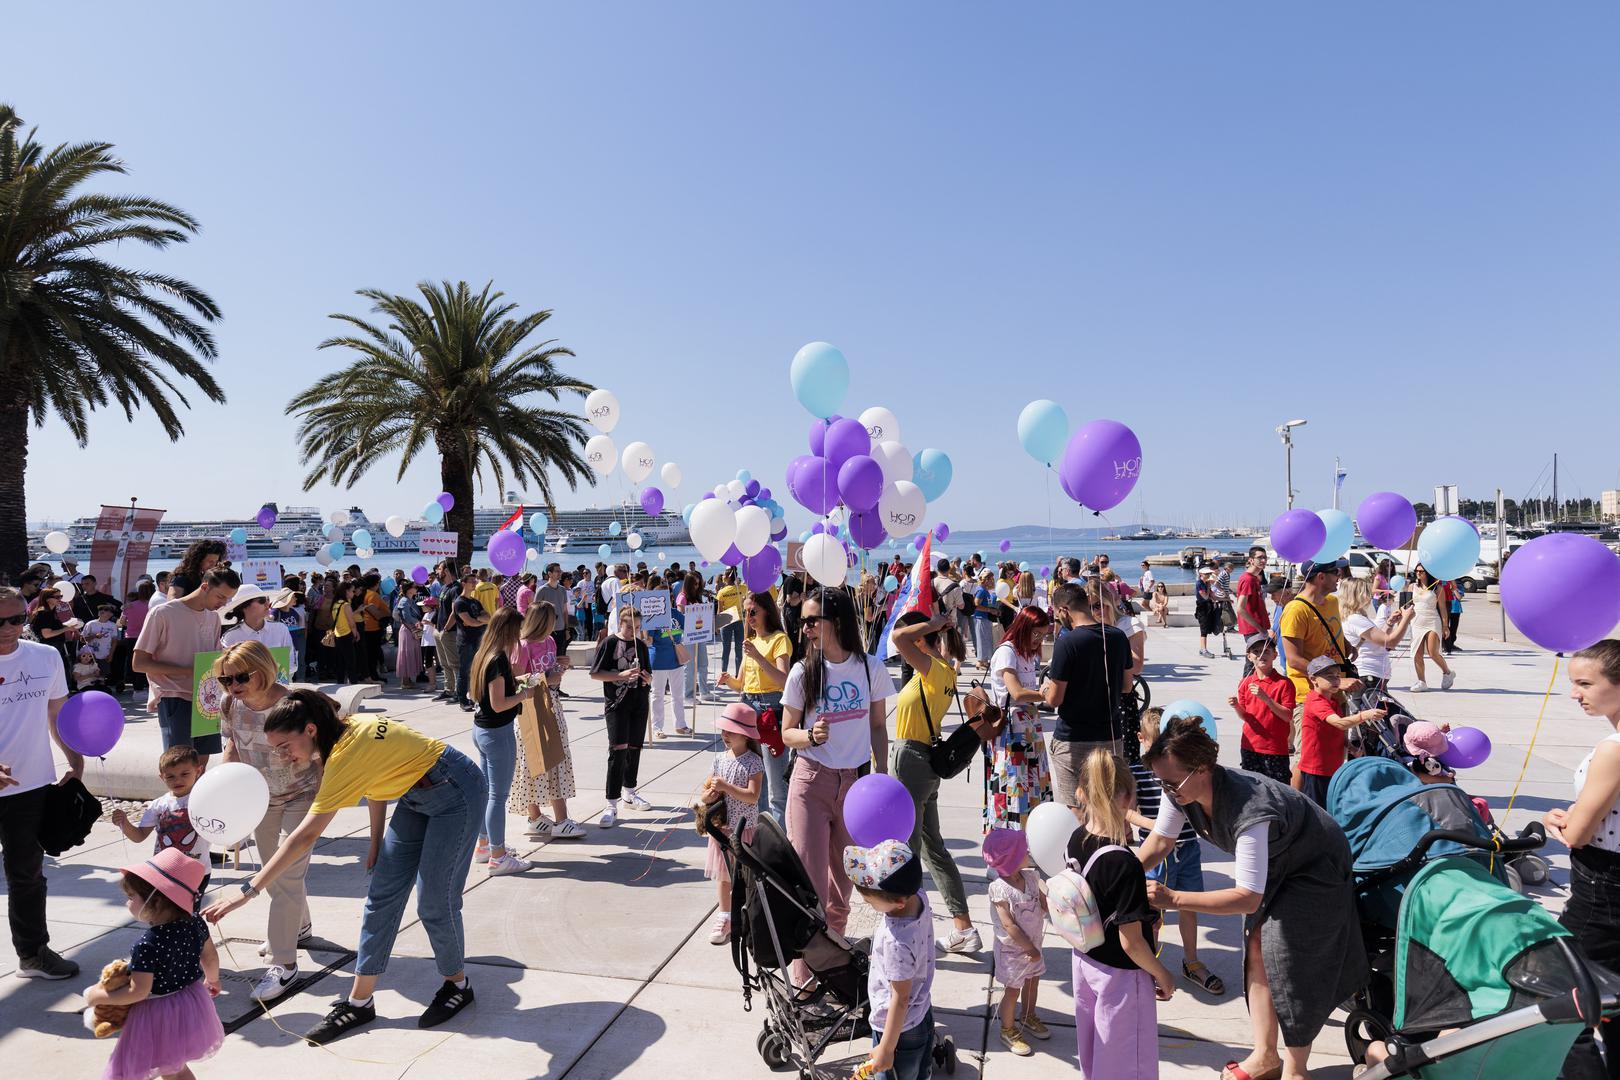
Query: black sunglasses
[[15, 620], [241, 678], [808, 619]]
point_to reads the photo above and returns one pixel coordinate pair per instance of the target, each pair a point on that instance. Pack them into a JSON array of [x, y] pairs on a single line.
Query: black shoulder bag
[[1344, 659], [948, 757]]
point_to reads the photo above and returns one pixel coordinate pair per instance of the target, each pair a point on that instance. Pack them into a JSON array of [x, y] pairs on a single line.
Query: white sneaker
[[720, 932], [962, 941], [633, 801], [539, 828], [1448, 680], [610, 817], [1419, 687], [273, 983], [568, 829], [303, 938], [508, 864]]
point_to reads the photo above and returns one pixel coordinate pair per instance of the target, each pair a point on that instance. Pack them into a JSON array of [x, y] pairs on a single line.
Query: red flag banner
[[120, 546]]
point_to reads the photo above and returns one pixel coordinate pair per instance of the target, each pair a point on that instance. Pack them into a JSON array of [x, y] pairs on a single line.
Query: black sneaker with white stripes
[[344, 1018], [450, 1000]]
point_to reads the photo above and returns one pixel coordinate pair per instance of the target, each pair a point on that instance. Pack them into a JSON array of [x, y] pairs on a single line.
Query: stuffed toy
[[105, 1020]]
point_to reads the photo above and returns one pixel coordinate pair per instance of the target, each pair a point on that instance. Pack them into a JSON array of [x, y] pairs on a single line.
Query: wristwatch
[[248, 890]]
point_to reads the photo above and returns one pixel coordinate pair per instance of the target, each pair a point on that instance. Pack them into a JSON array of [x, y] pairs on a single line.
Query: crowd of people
[[1064, 723]]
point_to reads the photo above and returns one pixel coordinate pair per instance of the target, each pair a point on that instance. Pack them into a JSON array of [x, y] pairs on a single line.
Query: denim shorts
[[1182, 869]]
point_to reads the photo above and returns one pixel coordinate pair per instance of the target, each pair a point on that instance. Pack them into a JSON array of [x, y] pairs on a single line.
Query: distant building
[[1611, 506]]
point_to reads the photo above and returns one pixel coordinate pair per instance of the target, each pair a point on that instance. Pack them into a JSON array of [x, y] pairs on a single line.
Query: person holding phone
[[622, 662], [1429, 623]]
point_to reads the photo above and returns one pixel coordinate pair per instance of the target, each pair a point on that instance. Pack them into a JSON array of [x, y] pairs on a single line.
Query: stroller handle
[[1531, 837]]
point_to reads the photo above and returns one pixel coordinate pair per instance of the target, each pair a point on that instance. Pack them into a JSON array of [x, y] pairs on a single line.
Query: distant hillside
[[1040, 532]]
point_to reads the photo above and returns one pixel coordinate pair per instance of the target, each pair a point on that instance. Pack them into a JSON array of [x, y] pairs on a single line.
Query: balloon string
[[1533, 734]]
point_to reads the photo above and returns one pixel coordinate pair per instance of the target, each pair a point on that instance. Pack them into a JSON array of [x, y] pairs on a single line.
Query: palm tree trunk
[[456, 477], [13, 501]]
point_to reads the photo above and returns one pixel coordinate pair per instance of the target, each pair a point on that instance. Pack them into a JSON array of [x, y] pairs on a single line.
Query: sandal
[[1201, 976], [1234, 1071]]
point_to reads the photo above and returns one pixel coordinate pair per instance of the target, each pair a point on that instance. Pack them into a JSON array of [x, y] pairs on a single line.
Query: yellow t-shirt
[[729, 597], [909, 720], [1299, 623], [342, 626], [378, 759], [776, 647], [488, 594]]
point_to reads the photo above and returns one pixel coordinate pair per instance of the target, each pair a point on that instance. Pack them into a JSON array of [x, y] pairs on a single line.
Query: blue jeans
[[429, 844], [774, 790], [1182, 869], [697, 673], [464, 659], [174, 720], [497, 756], [731, 638], [914, 1053]]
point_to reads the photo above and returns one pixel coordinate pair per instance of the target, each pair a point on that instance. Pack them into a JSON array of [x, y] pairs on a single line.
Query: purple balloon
[[1468, 747], [919, 541], [846, 439], [860, 482], [817, 529], [732, 556], [1101, 464], [762, 571], [266, 518], [763, 494], [779, 534], [815, 485], [652, 501], [506, 552], [446, 500], [866, 529], [419, 574], [1563, 591], [942, 532], [752, 489], [1006, 546], [1298, 534], [879, 808], [91, 722], [1046, 571], [818, 436], [1386, 519]]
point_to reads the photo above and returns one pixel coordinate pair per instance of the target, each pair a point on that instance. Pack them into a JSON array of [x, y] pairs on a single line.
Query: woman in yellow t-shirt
[[932, 646], [440, 795], [767, 657], [729, 597]]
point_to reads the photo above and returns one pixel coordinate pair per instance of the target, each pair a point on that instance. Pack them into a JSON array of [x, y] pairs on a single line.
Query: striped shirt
[[1148, 794]]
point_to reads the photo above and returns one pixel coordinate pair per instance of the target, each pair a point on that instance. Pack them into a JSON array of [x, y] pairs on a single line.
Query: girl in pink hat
[[174, 975], [737, 776]]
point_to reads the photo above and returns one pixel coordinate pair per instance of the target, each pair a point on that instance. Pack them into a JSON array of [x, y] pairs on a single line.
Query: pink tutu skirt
[[714, 867], [162, 1035]]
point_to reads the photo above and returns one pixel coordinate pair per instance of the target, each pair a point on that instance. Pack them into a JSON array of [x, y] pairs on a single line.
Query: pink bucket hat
[[174, 874], [739, 718], [1004, 850], [1425, 738]]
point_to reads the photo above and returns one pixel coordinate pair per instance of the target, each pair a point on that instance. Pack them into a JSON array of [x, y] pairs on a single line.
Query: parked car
[[1481, 575]]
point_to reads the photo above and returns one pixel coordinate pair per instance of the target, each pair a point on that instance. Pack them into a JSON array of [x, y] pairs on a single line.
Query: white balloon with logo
[[638, 461], [601, 454], [902, 507], [228, 802], [881, 425], [602, 410]]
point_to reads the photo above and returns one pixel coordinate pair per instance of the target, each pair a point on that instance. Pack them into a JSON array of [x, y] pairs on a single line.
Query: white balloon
[[363, 553], [602, 410], [894, 459], [753, 530], [713, 528], [823, 556], [638, 461], [601, 454], [395, 525], [737, 488], [1003, 590], [57, 541], [661, 556], [633, 541], [323, 556], [880, 424], [902, 507], [530, 555], [340, 517], [286, 547], [227, 803], [1048, 830], [67, 590], [670, 474]]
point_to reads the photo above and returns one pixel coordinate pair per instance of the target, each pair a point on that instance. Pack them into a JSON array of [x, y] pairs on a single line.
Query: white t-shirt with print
[[1006, 658], [30, 679], [845, 701], [169, 816]]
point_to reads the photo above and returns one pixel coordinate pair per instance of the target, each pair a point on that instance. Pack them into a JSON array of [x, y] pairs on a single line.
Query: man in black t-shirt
[[449, 635], [1083, 683], [469, 618]]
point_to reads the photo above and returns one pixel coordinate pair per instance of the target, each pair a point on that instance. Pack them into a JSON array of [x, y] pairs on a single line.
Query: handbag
[[542, 738], [70, 812]]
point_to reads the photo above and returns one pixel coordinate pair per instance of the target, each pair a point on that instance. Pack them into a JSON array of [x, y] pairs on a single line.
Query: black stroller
[[776, 918]]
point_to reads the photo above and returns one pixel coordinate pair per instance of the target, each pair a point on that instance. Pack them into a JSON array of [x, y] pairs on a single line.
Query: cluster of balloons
[[737, 523], [1448, 548], [1097, 466]]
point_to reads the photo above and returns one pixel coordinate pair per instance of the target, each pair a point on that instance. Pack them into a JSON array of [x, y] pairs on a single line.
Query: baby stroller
[[1449, 945], [776, 918]]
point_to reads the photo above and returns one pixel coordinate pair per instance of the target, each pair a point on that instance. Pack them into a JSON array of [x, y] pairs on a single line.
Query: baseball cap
[[1311, 569], [1321, 664]]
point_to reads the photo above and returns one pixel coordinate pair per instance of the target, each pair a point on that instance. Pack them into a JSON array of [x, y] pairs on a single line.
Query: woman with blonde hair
[[536, 656], [495, 688], [1024, 590], [247, 673]]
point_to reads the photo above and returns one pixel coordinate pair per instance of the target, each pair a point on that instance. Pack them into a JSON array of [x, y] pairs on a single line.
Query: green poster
[[208, 697]]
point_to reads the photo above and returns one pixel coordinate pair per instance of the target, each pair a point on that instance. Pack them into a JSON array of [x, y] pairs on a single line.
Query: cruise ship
[[297, 532]]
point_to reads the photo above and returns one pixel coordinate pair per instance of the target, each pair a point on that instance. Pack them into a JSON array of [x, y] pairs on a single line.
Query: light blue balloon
[[743, 476], [432, 513], [613, 528], [804, 537], [329, 530], [335, 549], [1189, 707], [361, 538], [931, 472], [891, 583], [604, 550], [1398, 582], [686, 512], [538, 522], [1341, 533], [1023, 568], [386, 586], [1448, 548], [239, 535], [1043, 429], [820, 378]]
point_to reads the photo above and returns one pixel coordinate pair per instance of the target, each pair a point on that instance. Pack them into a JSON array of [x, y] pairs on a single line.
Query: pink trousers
[[1116, 1022], [815, 828]]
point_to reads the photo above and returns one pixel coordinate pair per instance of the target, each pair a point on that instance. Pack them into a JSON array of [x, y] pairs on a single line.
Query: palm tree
[[76, 331], [454, 371]]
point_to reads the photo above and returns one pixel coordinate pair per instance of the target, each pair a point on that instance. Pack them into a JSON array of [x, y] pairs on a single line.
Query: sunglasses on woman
[[241, 678], [808, 619]]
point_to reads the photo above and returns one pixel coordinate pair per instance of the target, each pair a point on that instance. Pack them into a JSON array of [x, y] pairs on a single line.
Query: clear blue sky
[[1396, 220]]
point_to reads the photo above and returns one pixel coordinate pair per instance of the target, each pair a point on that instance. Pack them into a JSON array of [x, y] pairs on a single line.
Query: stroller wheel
[[1362, 1028], [1533, 869], [1515, 880], [950, 1054], [772, 1049]]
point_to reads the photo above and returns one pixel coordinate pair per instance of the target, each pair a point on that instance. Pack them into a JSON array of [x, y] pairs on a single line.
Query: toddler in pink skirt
[[1018, 913]]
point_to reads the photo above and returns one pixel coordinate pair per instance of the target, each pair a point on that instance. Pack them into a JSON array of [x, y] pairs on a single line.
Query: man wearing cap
[[1310, 628], [33, 687], [247, 618]]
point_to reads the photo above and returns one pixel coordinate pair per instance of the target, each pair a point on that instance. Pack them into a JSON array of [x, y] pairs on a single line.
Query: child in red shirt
[[1322, 729], [1265, 701]]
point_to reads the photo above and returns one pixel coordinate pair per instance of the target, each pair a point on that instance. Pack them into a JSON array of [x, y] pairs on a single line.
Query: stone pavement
[[597, 964]]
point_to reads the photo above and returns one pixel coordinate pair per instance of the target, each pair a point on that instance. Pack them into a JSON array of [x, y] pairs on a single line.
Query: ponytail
[[301, 708], [1107, 782]]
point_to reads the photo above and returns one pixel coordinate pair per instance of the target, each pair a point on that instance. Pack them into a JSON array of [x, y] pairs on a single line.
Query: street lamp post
[[1286, 431]]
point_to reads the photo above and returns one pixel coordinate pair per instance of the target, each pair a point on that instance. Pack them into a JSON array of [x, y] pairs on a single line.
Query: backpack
[[1073, 906], [969, 605]]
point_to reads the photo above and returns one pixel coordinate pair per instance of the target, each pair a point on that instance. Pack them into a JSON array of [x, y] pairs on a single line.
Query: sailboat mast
[[1557, 510]]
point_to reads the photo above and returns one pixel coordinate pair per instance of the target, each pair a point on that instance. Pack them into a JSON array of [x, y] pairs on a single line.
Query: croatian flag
[[919, 596], [515, 520]]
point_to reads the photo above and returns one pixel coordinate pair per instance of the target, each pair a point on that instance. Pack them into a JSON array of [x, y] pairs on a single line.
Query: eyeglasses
[[241, 678], [15, 620], [809, 620], [751, 612], [1175, 788]]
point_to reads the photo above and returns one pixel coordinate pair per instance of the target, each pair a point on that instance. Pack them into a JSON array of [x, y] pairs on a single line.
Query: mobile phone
[[1406, 598]]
